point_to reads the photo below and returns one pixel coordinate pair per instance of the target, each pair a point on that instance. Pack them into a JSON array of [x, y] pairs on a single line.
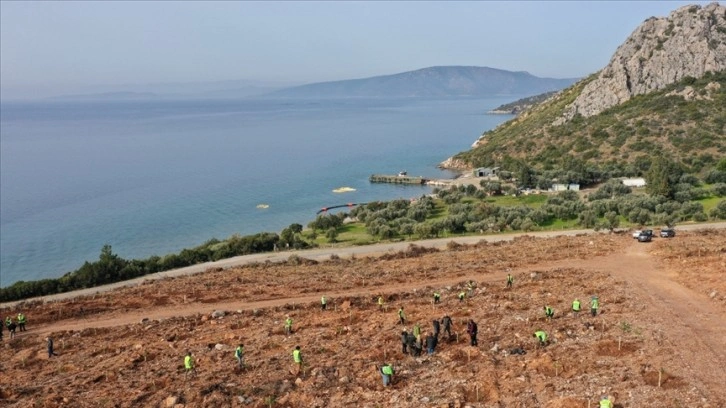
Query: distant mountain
[[444, 81], [662, 94], [107, 96]]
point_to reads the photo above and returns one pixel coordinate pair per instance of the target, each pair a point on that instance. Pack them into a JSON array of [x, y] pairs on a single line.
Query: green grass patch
[[710, 203], [532, 200]]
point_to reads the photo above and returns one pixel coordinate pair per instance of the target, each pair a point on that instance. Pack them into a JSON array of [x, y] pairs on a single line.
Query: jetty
[[397, 179]]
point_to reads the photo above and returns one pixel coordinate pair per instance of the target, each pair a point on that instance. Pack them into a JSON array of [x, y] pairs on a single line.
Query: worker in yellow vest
[[189, 368], [297, 359], [605, 402], [387, 374], [541, 335], [576, 306], [21, 322]]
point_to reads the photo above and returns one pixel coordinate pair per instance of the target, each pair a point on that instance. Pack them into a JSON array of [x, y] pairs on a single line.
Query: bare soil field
[[659, 339]]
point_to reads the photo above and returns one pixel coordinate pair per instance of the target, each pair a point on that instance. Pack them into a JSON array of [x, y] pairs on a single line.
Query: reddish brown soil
[[662, 319]]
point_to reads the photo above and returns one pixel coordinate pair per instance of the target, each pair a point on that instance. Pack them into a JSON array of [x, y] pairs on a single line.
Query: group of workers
[[549, 312], [413, 343], [11, 325]]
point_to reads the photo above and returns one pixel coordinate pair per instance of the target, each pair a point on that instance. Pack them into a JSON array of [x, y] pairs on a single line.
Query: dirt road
[[323, 254]]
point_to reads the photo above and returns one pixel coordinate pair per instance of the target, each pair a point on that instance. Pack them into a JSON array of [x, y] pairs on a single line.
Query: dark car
[[645, 236], [667, 233]]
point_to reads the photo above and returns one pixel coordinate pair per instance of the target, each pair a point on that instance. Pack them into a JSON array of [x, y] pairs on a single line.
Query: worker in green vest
[[462, 295], [380, 303], [549, 312], [576, 307], [541, 335], [8, 321], [21, 321], [387, 374], [416, 330], [437, 297], [239, 354], [594, 305], [323, 303], [401, 316], [189, 365], [605, 402], [297, 359], [288, 325], [510, 280]]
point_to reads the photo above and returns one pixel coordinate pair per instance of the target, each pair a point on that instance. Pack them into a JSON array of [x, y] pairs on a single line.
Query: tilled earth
[[659, 340]]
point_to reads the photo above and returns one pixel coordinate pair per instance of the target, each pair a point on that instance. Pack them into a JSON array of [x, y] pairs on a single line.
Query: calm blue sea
[[156, 177]]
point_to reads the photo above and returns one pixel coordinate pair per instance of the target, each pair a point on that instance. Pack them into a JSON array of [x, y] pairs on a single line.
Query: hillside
[[521, 105], [656, 338], [671, 107], [444, 81], [686, 120]]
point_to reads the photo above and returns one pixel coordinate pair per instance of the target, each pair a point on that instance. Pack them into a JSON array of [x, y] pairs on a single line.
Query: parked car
[[667, 233], [645, 236]]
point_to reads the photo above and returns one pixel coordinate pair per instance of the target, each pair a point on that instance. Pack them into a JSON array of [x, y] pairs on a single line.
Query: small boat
[[262, 206], [402, 173], [343, 190]]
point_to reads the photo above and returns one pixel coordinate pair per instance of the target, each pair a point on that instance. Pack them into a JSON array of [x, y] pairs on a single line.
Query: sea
[[155, 177]]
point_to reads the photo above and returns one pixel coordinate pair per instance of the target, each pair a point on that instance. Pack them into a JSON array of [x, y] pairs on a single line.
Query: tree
[[662, 177], [612, 221], [332, 234]]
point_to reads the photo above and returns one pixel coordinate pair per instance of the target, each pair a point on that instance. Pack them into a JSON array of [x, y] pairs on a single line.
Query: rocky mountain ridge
[[689, 42]]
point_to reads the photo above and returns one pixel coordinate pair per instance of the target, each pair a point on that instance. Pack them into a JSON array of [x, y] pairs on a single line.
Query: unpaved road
[[323, 254]]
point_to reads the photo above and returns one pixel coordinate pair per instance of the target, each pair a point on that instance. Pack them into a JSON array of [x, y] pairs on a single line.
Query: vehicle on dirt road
[[645, 236], [667, 233]]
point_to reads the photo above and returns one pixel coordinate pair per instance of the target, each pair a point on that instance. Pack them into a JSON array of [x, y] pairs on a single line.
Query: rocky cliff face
[[661, 51]]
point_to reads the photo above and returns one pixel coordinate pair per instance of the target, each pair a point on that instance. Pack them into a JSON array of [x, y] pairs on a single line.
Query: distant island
[[442, 81]]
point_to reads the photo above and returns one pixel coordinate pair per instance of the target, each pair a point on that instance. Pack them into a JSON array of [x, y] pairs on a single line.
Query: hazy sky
[[48, 47]]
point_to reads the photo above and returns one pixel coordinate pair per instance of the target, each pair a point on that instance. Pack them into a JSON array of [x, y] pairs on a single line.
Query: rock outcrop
[[689, 42]]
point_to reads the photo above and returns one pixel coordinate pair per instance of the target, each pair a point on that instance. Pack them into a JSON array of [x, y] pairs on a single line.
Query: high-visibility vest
[[461, 295], [296, 356], [542, 336], [606, 403], [387, 369], [595, 303], [576, 305], [510, 278], [548, 311], [323, 300], [188, 364], [401, 314], [21, 318], [288, 322], [437, 295], [238, 352], [380, 300]]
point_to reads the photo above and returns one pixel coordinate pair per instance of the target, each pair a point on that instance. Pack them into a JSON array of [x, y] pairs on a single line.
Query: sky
[[49, 48]]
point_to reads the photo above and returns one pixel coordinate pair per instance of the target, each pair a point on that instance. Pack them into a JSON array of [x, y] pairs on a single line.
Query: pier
[[397, 179]]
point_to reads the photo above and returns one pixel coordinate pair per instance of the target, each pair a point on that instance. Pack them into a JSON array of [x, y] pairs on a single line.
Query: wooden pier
[[396, 179]]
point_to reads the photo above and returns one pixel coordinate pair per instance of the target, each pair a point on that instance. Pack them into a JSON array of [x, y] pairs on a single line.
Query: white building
[[634, 182]]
